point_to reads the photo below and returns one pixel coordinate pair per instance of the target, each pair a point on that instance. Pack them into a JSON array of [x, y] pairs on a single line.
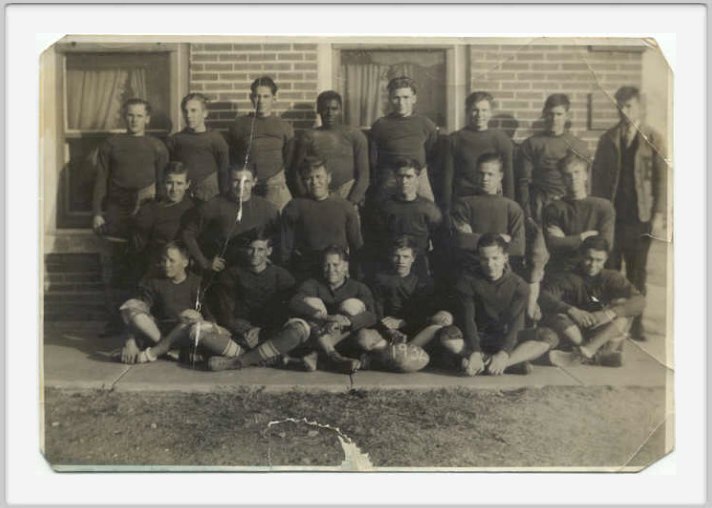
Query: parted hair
[[135, 101], [310, 164], [195, 96], [335, 249], [491, 240], [264, 81], [557, 99], [406, 162], [401, 82], [625, 93], [176, 168], [476, 97], [404, 242], [596, 242], [180, 247], [490, 157]]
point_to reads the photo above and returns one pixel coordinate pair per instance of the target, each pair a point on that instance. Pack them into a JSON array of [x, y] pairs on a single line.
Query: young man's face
[[407, 183], [403, 101], [258, 253], [479, 115], [248, 182], [629, 110], [555, 119], [403, 260], [136, 119], [335, 269], [575, 178], [330, 113], [317, 181], [176, 185], [593, 261], [492, 261], [174, 264], [263, 100], [489, 177], [195, 114]]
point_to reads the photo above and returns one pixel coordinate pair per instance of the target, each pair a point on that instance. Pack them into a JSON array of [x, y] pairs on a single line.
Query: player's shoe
[[609, 358], [342, 364], [568, 358], [522, 369], [216, 363]]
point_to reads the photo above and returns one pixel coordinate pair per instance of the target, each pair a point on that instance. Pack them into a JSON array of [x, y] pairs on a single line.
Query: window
[[95, 84], [363, 74]]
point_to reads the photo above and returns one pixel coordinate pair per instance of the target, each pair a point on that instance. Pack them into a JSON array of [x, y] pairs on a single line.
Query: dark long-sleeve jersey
[[538, 164], [127, 163], [332, 299], [464, 147], [309, 226], [394, 136], [214, 222], [167, 299], [202, 153], [564, 290], [394, 217], [158, 223], [574, 216], [270, 141], [345, 152], [490, 214], [258, 298], [409, 298], [491, 310]]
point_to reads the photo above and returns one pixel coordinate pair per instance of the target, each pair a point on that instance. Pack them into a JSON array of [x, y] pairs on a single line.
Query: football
[[405, 358]]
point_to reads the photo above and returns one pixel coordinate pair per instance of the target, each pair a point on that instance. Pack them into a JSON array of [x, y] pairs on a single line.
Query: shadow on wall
[[301, 115], [506, 123]]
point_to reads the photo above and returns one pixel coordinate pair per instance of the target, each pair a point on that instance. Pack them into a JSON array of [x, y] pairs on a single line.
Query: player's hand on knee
[[130, 351], [97, 223], [498, 363], [534, 312], [217, 264], [581, 317], [252, 337], [392, 323], [475, 364]]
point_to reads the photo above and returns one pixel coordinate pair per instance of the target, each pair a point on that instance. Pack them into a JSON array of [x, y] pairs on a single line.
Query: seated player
[[490, 309], [403, 213], [591, 308], [312, 223], [335, 306], [467, 145], [163, 316], [570, 220], [251, 302], [158, 222], [404, 306], [487, 211], [264, 140], [202, 151], [539, 180], [402, 133], [217, 223], [343, 149]]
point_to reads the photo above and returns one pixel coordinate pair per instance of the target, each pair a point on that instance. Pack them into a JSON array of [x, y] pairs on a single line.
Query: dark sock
[[283, 342]]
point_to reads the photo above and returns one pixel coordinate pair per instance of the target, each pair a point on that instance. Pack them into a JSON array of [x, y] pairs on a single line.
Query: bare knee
[[132, 308], [442, 318], [369, 340], [316, 304], [451, 339], [352, 307], [301, 327]]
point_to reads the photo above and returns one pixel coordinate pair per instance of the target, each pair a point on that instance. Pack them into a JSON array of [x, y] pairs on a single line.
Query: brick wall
[[224, 72], [520, 79]]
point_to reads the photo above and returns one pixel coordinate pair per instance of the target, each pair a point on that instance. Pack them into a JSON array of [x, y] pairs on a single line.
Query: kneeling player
[[251, 303], [163, 315], [491, 305], [404, 304], [591, 308]]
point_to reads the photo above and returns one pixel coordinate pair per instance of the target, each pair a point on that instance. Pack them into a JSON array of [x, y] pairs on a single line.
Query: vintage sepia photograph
[[272, 253]]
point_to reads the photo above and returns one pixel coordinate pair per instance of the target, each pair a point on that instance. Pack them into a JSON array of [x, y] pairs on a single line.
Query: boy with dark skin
[[343, 149]]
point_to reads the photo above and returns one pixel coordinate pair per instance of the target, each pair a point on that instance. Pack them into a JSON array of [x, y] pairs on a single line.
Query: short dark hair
[[253, 235], [195, 96], [492, 240], [249, 167], [264, 81], [176, 246], [626, 93], [135, 102], [596, 242], [401, 82], [404, 242], [557, 99], [325, 97], [310, 164], [490, 157], [570, 158], [476, 97], [176, 168], [335, 249], [406, 162]]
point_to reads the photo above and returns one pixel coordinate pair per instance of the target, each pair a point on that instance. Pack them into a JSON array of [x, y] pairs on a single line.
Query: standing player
[[575, 217], [265, 141], [129, 166], [312, 223], [590, 308], [490, 310], [630, 169], [215, 223], [402, 133], [343, 149], [539, 180], [469, 143], [202, 151]]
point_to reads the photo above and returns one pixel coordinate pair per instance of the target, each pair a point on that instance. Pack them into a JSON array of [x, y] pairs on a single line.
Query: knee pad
[[352, 307], [441, 318], [367, 339], [316, 303], [300, 325], [132, 308], [451, 339], [547, 335]]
